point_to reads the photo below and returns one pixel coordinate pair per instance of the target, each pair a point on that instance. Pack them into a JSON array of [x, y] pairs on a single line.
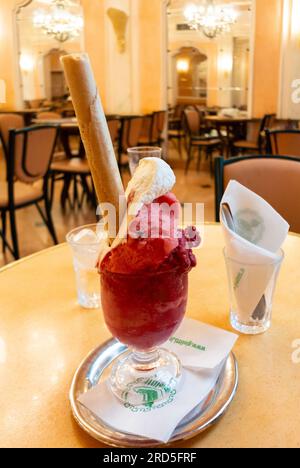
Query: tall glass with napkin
[[254, 233]]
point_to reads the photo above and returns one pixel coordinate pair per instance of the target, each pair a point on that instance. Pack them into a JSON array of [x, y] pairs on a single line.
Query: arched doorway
[[189, 76]]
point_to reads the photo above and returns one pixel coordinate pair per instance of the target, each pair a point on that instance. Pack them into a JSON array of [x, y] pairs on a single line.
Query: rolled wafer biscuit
[[94, 130]]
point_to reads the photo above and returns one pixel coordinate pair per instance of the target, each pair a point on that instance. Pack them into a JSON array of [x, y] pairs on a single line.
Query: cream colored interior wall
[[118, 62], [224, 70], [152, 28], [148, 77], [240, 72], [289, 98], [8, 59], [122, 57], [95, 40], [266, 60], [131, 82]]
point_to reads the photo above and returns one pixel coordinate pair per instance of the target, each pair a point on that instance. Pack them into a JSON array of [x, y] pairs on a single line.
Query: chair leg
[[14, 235], [94, 201], [189, 158], [227, 150], [3, 218], [52, 187], [211, 165], [186, 143], [199, 159], [85, 189], [83, 194], [49, 221], [65, 190], [234, 151], [180, 147], [75, 191], [120, 157]]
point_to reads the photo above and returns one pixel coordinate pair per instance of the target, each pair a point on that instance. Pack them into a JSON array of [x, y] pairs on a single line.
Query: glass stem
[[145, 360]]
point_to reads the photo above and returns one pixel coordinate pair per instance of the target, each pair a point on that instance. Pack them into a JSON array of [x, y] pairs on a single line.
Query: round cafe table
[[44, 335]]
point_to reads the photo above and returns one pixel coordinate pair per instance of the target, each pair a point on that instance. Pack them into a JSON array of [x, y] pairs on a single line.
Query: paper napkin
[[200, 346], [254, 233], [158, 421]]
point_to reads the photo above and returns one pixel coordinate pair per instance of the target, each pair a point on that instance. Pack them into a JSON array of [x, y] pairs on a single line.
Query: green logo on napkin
[[187, 343], [249, 225], [238, 278], [150, 392]]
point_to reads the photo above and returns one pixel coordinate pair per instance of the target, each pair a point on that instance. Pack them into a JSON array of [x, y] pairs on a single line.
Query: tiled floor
[[33, 236]]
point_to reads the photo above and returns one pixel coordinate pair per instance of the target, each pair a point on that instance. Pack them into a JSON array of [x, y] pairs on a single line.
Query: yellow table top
[[44, 335]]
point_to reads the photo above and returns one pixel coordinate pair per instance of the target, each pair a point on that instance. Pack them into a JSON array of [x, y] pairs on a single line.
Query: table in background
[[235, 129], [27, 114], [223, 120], [69, 127], [45, 335], [65, 122]]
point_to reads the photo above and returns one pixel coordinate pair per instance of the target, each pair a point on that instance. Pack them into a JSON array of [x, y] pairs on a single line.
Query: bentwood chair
[[48, 116], [284, 124], [255, 138], [274, 178], [176, 132], [130, 135], [150, 134], [9, 122], [153, 129], [72, 168], [52, 117], [192, 123], [160, 120], [114, 130], [284, 142], [30, 152]]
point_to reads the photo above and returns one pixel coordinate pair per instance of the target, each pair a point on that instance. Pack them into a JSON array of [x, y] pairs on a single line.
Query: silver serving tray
[[96, 367]]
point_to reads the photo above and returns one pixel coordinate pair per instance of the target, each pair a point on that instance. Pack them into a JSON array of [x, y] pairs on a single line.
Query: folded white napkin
[[254, 234], [205, 347], [158, 421]]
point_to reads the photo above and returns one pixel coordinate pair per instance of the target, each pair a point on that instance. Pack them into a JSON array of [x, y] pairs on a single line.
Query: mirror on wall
[[190, 67], [209, 59], [46, 30]]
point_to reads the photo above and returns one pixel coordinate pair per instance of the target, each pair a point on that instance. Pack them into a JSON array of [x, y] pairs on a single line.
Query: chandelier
[[59, 21], [211, 19]]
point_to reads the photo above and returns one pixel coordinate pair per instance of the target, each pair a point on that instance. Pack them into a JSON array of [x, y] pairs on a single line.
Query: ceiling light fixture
[[58, 21], [209, 18]]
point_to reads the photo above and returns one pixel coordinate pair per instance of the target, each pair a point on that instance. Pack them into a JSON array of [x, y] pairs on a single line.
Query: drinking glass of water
[[85, 243], [141, 152]]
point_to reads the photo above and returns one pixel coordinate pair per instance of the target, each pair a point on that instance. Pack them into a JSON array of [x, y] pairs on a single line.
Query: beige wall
[[289, 100], [152, 26], [147, 77], [151, 71], [147, 28], [267, 49], [8, 69], [94, 37]]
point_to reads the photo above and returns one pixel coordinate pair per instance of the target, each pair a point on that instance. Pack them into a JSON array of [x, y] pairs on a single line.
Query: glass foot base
[[249, 328], [146, 378]]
